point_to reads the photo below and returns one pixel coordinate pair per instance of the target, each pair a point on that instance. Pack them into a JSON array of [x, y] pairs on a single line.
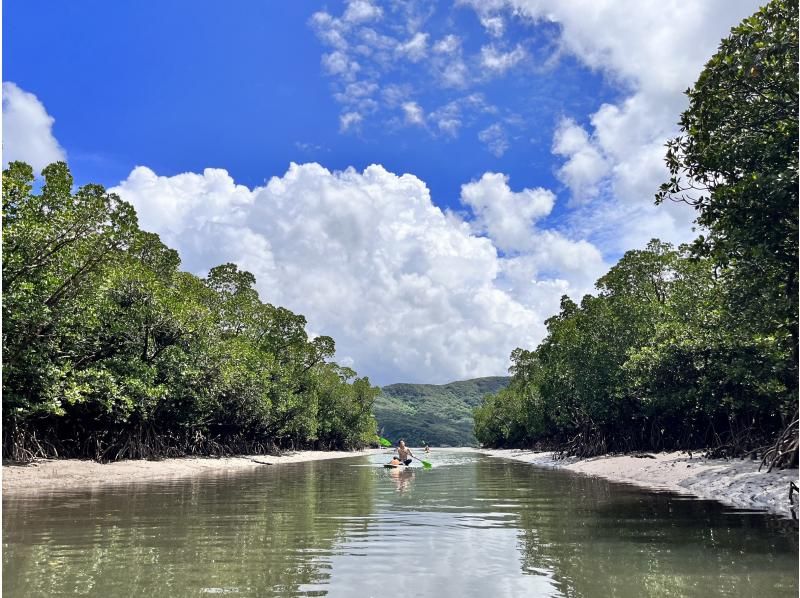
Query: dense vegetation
[[694, 346], [435, 414], [110, 351]]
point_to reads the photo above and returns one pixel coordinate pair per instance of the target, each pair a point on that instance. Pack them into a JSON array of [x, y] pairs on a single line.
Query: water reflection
[[471, 526], [402, 479]]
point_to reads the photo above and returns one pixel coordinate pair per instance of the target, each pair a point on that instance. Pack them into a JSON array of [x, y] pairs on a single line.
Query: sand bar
[[734, 482], [50, 474]]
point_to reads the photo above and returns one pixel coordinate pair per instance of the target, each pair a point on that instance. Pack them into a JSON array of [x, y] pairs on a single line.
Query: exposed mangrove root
[[23, 444], [783, 453]]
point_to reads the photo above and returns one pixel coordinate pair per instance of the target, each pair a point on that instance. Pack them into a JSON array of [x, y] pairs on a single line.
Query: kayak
[[390, 466]]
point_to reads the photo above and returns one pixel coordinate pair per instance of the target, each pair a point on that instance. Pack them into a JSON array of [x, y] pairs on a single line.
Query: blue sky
[[181, 86], [533, 132]]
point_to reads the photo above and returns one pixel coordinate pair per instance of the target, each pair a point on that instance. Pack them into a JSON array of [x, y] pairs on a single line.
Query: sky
[[422, 180]]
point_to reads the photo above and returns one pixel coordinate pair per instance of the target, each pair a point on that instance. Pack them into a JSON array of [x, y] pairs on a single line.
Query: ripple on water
[[471, 526]]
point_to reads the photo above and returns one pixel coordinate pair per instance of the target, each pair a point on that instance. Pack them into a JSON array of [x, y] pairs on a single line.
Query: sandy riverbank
[[73, 473], [734, 482]]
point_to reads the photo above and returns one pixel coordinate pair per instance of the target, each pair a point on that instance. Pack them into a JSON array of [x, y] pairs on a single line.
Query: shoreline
[[70, 474], [733, 482]]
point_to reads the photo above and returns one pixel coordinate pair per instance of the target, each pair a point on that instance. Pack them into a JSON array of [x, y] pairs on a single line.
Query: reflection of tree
[[269, 531], [602, 539]]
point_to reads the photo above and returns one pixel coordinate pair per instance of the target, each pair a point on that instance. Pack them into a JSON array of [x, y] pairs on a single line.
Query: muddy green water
[[471, 526]]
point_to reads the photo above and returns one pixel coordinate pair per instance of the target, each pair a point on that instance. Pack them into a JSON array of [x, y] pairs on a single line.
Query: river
[[470, 526]]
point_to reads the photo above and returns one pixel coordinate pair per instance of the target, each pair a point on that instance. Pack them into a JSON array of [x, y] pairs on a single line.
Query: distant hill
[[439, 414]]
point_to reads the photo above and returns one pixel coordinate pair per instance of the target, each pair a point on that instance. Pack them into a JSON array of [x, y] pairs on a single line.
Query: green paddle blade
[[425, 464], [384, 442]]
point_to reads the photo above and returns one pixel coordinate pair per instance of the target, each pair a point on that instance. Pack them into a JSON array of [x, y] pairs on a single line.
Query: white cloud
[[416, 48], [339, 63], [585, 166], [394, 95], [507, 217], [413, 113], [450, 117], [494, 25], [359, 11], [28, 130], [498, 61], [655, 51], [408, 292], [329, 30], [358, 97], [447, 45], [495, 138], [349, 120]]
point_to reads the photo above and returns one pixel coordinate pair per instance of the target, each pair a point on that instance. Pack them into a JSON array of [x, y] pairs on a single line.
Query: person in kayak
[[404, 453]]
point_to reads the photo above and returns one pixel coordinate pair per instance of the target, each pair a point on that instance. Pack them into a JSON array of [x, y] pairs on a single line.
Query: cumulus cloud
[[349, 120], [447, 45], [495, 138], [413, 113], [497, 61], [408, 292], [494, 25], [585, 166], [654, 51], [397, 45], [450, 117], [416, 48], [338, 63], [28, 130], [359, 11], [507, 217]]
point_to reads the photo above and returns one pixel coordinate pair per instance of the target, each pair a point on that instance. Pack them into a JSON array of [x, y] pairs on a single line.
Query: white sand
[[74, 473], [736, 483]]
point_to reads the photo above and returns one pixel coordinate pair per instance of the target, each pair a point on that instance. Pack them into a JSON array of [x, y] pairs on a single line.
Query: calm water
[[471, 526]]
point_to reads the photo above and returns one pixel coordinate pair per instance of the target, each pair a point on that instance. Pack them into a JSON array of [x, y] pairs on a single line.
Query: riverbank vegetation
[[694, 346], [110, 351]]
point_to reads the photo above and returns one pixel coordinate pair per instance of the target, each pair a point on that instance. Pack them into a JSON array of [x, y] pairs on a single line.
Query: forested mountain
[[436, 414], [696, 345], [110, 351]]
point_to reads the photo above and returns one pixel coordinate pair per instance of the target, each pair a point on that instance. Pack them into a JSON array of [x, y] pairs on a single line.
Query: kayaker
[[404, 453]]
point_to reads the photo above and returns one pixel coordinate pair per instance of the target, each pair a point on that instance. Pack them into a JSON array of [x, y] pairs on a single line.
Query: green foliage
[[111, 351], [433, 414], [736, 162], [694, 347], [653, 361]]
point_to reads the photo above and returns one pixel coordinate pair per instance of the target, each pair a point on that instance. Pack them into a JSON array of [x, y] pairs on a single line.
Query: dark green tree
[[736, 162]]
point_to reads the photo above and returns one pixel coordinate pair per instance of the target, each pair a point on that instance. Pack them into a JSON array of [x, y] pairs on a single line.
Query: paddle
[[425, 464], [384, 442]]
